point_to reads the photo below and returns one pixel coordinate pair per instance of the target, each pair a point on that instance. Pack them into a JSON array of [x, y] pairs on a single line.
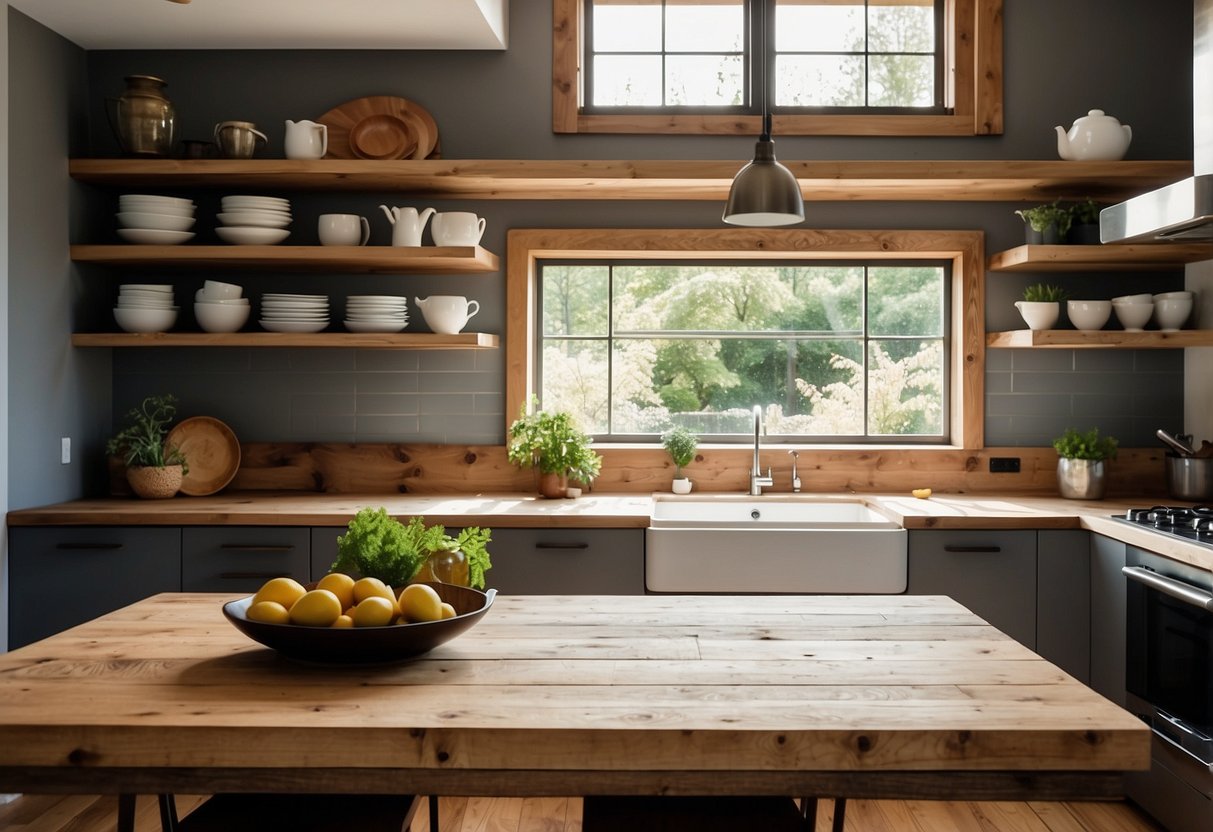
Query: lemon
[[374, 612], [318, 608], [339, 584], [369, 587], [285, 591], [419, 602], [448, 611], [921, 493], [269, 611], [343, 620]]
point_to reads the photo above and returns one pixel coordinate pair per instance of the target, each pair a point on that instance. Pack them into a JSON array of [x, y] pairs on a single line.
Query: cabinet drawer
[[567, 562], [993, 573], [61, 577], [242, 558]]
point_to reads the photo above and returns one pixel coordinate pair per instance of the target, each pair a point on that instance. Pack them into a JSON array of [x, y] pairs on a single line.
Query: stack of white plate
[[294, 313], [155, 220], [145, 307], [254, 220], [376, 313]]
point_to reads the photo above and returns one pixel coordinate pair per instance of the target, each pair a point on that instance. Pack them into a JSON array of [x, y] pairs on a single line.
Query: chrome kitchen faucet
[[795, 476], [757, 480]]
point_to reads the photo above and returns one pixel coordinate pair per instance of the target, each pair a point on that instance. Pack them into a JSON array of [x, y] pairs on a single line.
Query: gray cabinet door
[[567, 561], [1108, 618], [63, 576], [1063, 600], [242, 558], [993, 573]]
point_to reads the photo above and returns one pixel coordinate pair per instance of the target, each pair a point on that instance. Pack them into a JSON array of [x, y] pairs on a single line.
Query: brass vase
[[142, 117]]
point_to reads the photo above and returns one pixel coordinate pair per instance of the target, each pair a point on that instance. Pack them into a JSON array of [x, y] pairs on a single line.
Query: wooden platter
[[380, 127], [212, 454]]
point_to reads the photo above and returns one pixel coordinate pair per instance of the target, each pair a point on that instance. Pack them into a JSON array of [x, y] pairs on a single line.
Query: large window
[[844, 337], [834, 67], [848, 351]]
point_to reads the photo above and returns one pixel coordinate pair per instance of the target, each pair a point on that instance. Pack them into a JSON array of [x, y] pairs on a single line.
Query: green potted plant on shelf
[[1084, 223], [154, 468], [1081, 464], [1045, 224], [680, 443], [552, 443], [1041, 305]]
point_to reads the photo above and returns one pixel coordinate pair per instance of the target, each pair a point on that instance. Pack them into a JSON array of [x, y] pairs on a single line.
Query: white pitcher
[[446, 314], [306, 140], [407, 224]]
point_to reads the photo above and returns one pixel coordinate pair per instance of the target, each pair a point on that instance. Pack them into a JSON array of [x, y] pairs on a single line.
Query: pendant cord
[[762, 69]]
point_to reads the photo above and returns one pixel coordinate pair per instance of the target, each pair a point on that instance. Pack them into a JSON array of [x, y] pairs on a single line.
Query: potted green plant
[[1041, 305], [154, 468], [1081, 464], [552, 443], [1084, 223], [1045, 224], [680, 443]]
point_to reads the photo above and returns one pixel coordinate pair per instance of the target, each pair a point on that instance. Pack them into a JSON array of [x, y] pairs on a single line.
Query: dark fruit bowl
[[365, 645]]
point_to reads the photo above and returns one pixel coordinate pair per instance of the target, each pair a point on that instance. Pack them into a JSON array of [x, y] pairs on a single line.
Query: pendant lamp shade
[[764, 192]]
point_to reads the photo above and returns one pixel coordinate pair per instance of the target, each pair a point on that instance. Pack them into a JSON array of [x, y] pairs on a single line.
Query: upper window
[[823, 55], [833, 67]]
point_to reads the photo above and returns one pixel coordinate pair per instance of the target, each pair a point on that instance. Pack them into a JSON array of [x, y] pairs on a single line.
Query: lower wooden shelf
[[1110, 339], [329, 340]]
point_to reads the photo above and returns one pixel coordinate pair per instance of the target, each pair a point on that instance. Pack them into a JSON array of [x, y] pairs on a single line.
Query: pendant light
[[764, 192]]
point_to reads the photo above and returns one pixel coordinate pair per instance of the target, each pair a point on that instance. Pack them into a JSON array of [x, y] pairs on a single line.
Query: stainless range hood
[[1182, 212]]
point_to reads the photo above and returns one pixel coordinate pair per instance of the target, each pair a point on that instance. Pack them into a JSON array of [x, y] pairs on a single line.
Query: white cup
[[457, 228], [344, 230], [217, 290], [447, 314], [306, 140]]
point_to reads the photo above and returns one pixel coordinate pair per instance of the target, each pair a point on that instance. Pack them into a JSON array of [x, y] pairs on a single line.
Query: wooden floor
[[47, 813]]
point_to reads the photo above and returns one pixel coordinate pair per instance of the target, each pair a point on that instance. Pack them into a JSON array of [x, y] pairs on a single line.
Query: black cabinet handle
[[972, 548], [581, 545], [246, 547], [109, 547], [242, 576]]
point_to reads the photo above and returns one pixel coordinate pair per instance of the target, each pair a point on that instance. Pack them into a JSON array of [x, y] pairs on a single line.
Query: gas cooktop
[[1191, 523]]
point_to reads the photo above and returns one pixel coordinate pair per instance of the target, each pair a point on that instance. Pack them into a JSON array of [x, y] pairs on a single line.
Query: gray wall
[[497, 105]]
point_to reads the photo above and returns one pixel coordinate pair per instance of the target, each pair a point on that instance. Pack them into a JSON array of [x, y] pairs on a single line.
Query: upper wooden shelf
[[1102, 339], [976, 180], [357, 259], [360, 340], [1112, 257]]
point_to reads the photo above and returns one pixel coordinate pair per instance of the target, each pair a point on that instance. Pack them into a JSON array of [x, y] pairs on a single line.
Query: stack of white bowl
[[219, 307], [294, 313], [1133, 311], [145, 307], [1171, 309], [254, 220], [376, 313], [155, 220]]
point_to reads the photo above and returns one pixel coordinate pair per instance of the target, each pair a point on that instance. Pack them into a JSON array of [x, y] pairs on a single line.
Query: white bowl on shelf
[[154, 237], [162, 222], [1144, 297], [255, 219], [293, 326], [145, 320], [221, 317], [1088, 315], [249, 236], [1133, 316], [1172, 313]]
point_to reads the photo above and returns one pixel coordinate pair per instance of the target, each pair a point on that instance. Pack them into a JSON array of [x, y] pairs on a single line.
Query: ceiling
[[275, 24]]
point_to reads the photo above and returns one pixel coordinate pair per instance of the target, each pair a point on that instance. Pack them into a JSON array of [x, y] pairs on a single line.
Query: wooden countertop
[[594, 510], [833, 695]]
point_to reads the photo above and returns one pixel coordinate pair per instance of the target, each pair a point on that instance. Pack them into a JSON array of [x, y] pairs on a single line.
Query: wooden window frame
[[973, 89], [964, 249]]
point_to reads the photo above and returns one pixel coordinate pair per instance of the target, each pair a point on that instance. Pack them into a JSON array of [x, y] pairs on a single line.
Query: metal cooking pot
[[1189, 478]]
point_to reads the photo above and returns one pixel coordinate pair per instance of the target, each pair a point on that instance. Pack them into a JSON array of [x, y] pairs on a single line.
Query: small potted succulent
[[1045, 224], [552, 443], [1041, 305], [680, 443], [154, 468], [1081, 464]]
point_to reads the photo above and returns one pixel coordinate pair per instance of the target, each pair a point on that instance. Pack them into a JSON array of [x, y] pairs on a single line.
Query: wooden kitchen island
[[874, 696]]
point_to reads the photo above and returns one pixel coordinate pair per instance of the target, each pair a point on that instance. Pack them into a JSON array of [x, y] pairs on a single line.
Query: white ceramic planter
[[1039, 314], [682, 486]]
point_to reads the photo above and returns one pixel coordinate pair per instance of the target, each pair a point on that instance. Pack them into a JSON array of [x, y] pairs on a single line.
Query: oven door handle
[[1169, 586]]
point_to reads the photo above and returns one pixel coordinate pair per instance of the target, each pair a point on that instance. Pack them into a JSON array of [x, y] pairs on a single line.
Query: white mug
[[447, 314], [217, 290], [306, 140], [344, 230], [457, 228]]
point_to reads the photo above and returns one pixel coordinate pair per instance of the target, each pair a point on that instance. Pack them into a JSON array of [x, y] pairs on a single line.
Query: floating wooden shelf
[[1112, 257], [971, 180], [358, 259], [328, 340], [1103, 339]]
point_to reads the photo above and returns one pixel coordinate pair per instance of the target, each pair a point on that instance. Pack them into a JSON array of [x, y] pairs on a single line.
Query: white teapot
[[407, 224], [1094, 137]]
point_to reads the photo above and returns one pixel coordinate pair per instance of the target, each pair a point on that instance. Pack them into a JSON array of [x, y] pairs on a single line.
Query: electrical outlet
[[1004, 465], [65, 450]]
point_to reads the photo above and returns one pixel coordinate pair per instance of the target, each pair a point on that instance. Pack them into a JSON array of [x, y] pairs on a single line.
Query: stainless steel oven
[[1169, 684]]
